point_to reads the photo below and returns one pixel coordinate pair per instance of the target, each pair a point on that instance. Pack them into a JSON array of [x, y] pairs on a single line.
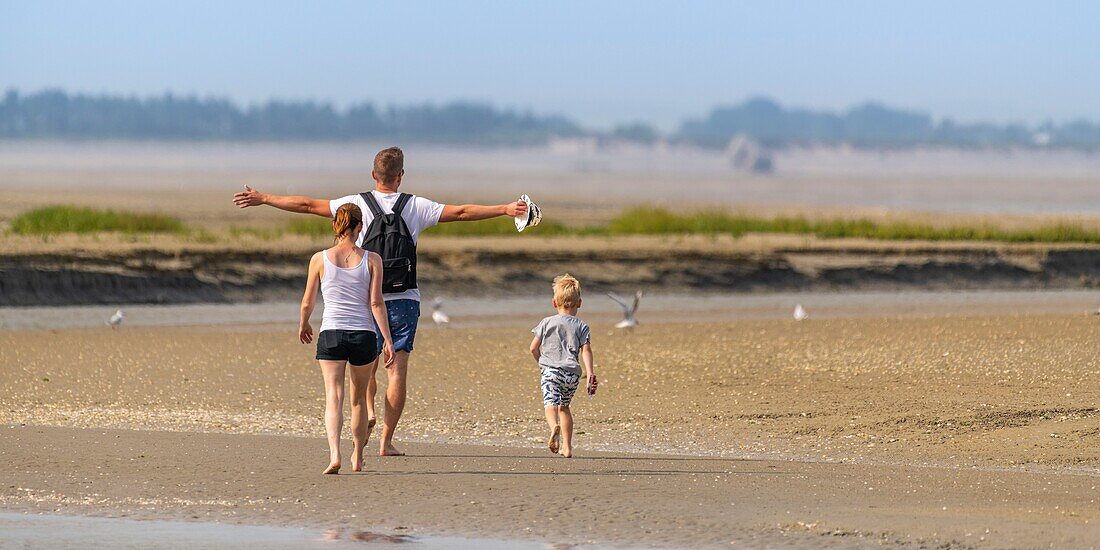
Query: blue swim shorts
[[404, 315]]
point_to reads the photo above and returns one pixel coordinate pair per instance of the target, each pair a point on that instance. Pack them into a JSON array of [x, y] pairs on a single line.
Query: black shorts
[[358, 347]]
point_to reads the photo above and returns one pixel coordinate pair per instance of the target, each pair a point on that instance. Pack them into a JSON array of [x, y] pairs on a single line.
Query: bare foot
[[333, 468], [389, 450], [357, 460], [554, 443], [371, 421], [567, 453]]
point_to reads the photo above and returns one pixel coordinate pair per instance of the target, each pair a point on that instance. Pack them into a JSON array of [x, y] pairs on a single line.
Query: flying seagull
[[438, 316], [800, 313], [116, 319], [628, 310]]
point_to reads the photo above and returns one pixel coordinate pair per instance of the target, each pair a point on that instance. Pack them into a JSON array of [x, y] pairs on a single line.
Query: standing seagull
[[800, 313], [628, 310], [438, 316], [116, 319]]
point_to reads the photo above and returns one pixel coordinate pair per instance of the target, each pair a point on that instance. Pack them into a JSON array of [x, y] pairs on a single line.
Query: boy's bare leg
[[565, 416], [360, 426], [555, 429], [333, 373], [395, 403]]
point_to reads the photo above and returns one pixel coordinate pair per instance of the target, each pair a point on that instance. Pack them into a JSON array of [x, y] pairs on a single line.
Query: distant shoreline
[[571, 181]]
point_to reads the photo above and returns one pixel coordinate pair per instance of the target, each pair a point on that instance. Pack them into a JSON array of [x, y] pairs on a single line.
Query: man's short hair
[[567, 291], [388, 164]]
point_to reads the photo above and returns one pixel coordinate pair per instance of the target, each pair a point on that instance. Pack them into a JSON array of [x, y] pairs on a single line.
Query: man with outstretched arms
[[400, 290]]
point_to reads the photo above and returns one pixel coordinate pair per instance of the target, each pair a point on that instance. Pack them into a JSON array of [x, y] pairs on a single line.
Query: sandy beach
[[940, 395], [920, 430]]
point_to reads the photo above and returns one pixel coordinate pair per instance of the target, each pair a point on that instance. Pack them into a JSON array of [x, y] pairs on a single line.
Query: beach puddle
[[57, 531], [370, 537]]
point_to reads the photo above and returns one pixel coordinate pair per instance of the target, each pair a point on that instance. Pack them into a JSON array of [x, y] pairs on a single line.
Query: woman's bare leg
[[360, 426], [565, 416], [333, 373]]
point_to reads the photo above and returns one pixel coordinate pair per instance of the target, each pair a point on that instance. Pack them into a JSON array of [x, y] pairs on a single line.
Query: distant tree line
[[57, 114], [873, 125]]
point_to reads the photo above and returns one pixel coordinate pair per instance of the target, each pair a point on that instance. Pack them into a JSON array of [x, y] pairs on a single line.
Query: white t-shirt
[[419, 214]]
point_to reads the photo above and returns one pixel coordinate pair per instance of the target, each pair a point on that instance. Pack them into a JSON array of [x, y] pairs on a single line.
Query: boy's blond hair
[[567, 291]]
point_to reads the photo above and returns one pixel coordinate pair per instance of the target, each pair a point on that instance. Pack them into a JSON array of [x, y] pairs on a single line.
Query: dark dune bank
[[212, 274]]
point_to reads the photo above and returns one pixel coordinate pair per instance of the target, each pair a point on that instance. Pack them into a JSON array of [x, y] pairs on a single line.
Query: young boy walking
[[561, 342]]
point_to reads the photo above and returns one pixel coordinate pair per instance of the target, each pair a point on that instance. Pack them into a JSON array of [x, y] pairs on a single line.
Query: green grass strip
[[658, 221], [635, 221], [310, 226], [52, 220]]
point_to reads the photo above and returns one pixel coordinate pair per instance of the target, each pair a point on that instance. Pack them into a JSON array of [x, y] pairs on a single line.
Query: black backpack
[[389, 237]]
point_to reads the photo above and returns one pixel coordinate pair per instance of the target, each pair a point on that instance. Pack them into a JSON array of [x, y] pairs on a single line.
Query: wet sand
[[525, 494], [857, 430], [470, 312]]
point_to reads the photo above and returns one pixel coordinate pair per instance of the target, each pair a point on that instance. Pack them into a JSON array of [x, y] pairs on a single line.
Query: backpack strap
[[372, 204], [401, 202]]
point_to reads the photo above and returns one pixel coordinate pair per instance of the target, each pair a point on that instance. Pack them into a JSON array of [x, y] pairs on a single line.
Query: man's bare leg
[[360, 426], [372, 390], [395, 403]]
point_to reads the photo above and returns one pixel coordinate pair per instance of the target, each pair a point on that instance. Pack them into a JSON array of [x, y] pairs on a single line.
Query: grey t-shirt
[[562, 336]]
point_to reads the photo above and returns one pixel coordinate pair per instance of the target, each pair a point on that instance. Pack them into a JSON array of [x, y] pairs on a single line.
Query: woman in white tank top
[[350, 280]]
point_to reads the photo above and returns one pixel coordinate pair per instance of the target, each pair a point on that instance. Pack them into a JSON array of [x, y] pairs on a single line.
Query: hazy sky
[[598, 62]]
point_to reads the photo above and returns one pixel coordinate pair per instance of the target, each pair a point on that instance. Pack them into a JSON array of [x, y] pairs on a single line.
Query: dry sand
[[926, 430], [960, 391]]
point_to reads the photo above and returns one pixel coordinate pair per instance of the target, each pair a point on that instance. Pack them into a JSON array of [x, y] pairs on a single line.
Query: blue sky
[[598, 62]]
